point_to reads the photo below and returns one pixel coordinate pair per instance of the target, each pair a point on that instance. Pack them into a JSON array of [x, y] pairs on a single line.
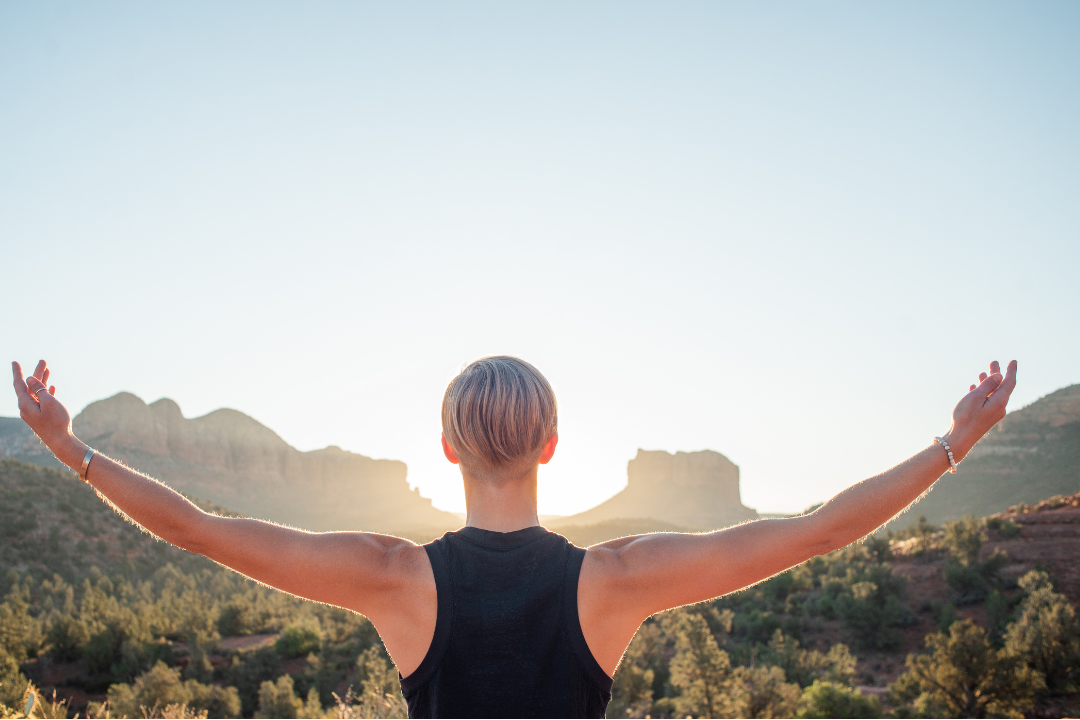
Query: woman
[[504, 618]]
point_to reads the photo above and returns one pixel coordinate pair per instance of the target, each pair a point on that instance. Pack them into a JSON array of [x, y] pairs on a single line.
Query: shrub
[[963, 676], [964, 539], [871, 607], [298, 640], [700, 670], [1046, 634], [805, 667], [632, 691], [763, 692], [12, 682], [278, 699], [826, 699], [160, 688], [1009, 529], [380, 691]]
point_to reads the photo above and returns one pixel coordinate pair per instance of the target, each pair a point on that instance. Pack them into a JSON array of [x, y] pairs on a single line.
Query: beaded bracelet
[[952, 460]]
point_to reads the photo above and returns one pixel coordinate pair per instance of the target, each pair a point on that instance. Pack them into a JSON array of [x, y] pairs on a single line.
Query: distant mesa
[[232, 460], [698, 490]]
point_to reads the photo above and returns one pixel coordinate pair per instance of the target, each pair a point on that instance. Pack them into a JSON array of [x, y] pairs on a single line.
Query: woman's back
[[507, 641]]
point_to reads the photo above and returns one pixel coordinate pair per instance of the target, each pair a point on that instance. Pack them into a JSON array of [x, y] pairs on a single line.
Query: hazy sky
[[789, 232]]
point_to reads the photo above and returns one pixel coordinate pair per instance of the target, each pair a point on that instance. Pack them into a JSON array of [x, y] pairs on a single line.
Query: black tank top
[[507, 641]]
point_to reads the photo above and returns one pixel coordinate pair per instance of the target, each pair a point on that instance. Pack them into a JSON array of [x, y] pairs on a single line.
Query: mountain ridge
[[229, 458]]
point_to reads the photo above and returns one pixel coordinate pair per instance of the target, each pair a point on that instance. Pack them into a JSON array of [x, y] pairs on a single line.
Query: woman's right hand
[[981, 409], [46, 415]]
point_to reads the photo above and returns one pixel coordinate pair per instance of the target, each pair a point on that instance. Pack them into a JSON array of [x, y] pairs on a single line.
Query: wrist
[[960, 442], [69, 450]]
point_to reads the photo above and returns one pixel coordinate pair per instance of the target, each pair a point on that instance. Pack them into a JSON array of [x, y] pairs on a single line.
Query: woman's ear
[[448, 451], [549, 449]]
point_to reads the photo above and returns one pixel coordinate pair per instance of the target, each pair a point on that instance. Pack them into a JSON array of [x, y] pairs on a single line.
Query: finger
[[982, 376], [40, 369], [20, 384], [45, 376], [988, 385], [971, 389], [1002, 393], [994, 367], [52, 390], [42, 392]]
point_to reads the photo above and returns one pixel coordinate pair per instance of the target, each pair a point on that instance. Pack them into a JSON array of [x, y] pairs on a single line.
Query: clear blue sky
[[789, 232]]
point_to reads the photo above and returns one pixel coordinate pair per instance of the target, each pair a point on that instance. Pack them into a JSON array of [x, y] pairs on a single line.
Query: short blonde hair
[[498, 413]]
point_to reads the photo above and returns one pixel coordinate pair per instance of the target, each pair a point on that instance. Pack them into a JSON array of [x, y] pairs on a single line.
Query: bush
[[1046, 634], [700, 670], [872, 609], [964, 539], [805, 667], [963, 676], [763, 692], [278, 699], [12, 682], [632, 689], [826, 699], [970, 579], [380, 691], [161, 687], [249, 670], [298, 640]]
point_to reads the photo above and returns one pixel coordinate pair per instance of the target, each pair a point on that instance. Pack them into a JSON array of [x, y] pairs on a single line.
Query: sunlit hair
[[498, 413]]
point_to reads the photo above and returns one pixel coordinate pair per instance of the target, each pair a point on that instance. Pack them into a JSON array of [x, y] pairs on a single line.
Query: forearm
[[159, 509], [863, 508]]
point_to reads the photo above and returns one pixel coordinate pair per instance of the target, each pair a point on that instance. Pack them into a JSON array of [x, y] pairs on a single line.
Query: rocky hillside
[[698, 490], [1034, 453], [230, 459]]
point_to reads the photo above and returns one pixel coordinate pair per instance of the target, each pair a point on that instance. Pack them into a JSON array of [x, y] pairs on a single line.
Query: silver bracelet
[[86, 465], [952, 460]]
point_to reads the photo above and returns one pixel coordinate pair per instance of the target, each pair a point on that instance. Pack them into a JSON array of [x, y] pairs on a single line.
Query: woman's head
[[497, 416]]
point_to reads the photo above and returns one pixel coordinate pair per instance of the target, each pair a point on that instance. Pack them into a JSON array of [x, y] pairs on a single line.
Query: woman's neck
[[502, 505]]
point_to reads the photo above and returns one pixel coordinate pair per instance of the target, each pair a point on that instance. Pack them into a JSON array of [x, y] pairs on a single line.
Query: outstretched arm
[[372, 574], [625, 581]]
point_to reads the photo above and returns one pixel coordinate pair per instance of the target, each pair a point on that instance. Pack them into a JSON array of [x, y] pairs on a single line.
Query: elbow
[[189, 533], [823, 537]]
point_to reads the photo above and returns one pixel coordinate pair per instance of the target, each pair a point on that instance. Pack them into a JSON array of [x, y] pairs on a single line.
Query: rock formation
[[695, 490], [1033, 454], [234, 461]]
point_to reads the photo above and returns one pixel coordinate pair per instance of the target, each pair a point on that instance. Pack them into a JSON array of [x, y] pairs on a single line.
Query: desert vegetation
[[106, 621]]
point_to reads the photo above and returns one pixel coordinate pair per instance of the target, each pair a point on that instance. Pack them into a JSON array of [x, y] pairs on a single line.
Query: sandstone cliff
[[694, 490], [234, 461], [1033, 454]]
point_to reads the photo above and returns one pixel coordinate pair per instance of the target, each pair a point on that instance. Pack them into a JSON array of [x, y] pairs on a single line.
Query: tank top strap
[[574, 560], [444, 589]]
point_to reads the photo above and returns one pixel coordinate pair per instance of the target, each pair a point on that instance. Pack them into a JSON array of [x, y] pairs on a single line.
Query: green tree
[[700, 670], [763, 692], [20, 631], [160, 688], [278, 699], [380, 691], [12, 682], [872, 608], [807, 666], [964, 540], [963, 676], [1046, 634], [826, 699], [299, 640], [970, 578]]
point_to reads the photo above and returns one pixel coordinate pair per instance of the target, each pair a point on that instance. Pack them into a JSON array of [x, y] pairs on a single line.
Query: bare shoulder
[[402, 562], [612, 563]]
